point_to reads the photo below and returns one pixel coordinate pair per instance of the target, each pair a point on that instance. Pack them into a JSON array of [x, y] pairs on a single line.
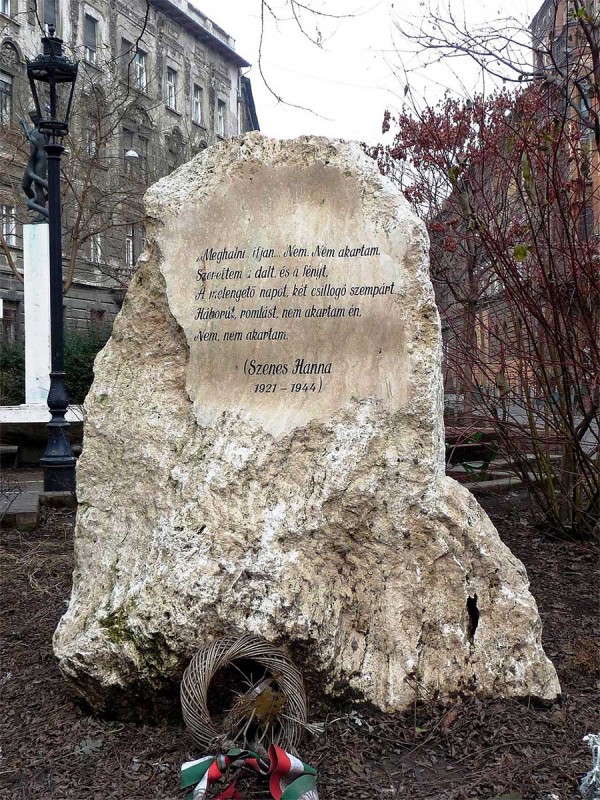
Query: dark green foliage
[[12, 373], [80, 351]]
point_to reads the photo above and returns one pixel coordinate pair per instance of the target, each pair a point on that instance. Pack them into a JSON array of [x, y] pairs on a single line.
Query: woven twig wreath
[[223, 652]]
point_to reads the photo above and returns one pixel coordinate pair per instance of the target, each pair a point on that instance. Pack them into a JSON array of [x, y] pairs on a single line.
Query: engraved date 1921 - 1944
[[300, 367], [294, 388]]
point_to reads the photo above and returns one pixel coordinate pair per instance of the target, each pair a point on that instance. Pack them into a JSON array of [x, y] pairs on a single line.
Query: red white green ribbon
[[289, 778]]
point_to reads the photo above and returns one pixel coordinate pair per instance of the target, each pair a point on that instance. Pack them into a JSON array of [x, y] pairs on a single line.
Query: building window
[[172, 88], [136, 163], [92, 135], [5, 99], [8, 320], [8, 225], [50, 13], [95, 249], [197, 105], [129, 246], [90, 38], [221, 117], [140, 71], [126, 58], [128, 151], [128, 160], [142, 151], [5, 7]]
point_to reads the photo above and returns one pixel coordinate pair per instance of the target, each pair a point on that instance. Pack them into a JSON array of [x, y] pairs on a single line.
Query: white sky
[[354, 76]]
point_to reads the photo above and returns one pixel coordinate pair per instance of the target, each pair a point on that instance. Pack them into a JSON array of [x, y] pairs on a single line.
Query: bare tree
[[315, 21], [508, 189], [560, 49]]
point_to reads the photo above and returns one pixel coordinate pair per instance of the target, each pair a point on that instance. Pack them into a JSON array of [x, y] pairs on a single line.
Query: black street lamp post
[[55, 74]]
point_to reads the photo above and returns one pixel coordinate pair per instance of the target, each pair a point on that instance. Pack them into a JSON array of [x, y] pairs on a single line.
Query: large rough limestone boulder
[[319, 517]]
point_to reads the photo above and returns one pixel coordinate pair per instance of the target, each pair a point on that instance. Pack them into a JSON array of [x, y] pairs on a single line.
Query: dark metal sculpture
[[35, 183]]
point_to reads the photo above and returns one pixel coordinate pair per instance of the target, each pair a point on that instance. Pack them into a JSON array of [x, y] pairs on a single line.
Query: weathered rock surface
[[322, 521]]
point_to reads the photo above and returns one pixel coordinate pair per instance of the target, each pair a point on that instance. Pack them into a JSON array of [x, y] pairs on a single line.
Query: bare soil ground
[[52, 749]]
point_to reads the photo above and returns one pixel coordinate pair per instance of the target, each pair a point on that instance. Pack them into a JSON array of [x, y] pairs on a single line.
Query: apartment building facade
[[566, 46], [158, 82]]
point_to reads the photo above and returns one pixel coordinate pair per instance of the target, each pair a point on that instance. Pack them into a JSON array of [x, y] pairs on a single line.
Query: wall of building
[[138, 89]]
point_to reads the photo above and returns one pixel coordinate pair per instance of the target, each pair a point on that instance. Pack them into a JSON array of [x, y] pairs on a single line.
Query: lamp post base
[[58, 460], [59, 477]]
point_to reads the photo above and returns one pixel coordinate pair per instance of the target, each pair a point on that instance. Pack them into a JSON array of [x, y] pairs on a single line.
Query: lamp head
[[52, 80]]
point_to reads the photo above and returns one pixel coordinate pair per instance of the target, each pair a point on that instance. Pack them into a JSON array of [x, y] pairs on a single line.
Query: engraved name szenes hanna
[[299, 367]]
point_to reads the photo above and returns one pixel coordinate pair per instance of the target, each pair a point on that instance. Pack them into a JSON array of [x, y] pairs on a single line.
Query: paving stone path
[[20, 498]]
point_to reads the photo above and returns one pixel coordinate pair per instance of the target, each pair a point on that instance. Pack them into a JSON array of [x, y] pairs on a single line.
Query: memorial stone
[[264, 449]]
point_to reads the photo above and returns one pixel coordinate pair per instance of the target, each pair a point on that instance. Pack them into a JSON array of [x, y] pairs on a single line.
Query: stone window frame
[[135, 65], [91, 134], [171, 88], [90, 51], [129, 246], [6, 8], [134, 241], [197, 105], [11, 69], [137, 133], [93, 137], [140, 143], [221, 118], [140, 70], [9, 322], [51, 19], [128, 143], [6, 98], [9, 224], [126, 59], [96, 255], [143, 151]]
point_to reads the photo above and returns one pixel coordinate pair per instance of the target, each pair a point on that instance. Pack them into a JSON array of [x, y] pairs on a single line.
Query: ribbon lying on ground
[[289, 778]]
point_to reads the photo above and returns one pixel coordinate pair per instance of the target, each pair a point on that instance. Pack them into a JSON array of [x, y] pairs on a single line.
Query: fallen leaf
[[449, 720], [268, 704], [511, 796], [88, 746]]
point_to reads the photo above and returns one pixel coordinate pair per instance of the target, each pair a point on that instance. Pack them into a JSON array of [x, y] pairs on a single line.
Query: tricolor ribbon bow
[[289, 778]]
